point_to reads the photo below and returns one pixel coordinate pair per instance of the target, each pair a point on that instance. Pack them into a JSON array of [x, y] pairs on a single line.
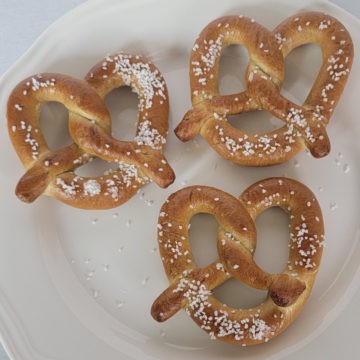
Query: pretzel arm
[[52, 163], [172, 299], [239, 262], [312, 131], [96, 141]]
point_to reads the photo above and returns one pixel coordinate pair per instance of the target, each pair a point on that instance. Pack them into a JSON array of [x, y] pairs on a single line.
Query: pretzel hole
[[54, 120], [123, 106], [202, 236], [302, 66], [273, 234], [238, 295], [232, 69], [255, 122]]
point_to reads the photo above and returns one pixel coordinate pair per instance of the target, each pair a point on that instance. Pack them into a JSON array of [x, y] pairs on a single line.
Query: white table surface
[[22, 21]]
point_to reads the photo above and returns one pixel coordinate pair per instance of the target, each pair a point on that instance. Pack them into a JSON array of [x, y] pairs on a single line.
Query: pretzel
[[305, 126], [191, 287], [51, 172]]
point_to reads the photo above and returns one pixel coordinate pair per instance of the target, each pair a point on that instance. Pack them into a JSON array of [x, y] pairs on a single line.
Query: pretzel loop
[[190, 287], [23, 120], [305, 125], [146, 80], [52, 172]]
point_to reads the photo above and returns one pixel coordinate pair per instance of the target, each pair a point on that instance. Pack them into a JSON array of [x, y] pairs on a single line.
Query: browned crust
[[190, 287], [52, 172], [305, 125]]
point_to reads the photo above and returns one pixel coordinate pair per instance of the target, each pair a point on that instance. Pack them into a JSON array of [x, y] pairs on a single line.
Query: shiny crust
[[305, 125], [190, 287], [53, 172]]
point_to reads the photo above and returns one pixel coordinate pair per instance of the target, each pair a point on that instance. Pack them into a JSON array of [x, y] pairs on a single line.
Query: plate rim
[[12, 334]]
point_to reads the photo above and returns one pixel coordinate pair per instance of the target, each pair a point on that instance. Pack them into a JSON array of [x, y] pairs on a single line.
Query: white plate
[[79, 284]]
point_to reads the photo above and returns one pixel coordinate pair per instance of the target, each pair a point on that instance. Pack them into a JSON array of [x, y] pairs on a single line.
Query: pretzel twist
[[190, 287], [305, 126], [51, 172]]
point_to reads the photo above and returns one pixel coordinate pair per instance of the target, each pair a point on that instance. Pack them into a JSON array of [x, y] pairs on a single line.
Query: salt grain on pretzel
[[305, 125], [191, 287], [52, 172]]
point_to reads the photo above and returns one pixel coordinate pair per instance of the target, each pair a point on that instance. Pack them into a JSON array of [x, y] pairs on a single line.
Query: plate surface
[[92, 275]]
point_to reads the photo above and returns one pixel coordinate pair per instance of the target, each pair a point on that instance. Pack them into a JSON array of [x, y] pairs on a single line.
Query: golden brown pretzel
[[52, 172], [190, 286], [305, 125]]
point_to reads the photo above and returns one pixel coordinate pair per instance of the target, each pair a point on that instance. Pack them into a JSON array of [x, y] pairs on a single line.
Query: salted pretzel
[[304, 125], [52, 172], [191, 287]]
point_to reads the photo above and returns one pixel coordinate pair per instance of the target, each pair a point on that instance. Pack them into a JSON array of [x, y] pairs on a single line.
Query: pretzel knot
[[304, 125], [52, 172], [190, 286]]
